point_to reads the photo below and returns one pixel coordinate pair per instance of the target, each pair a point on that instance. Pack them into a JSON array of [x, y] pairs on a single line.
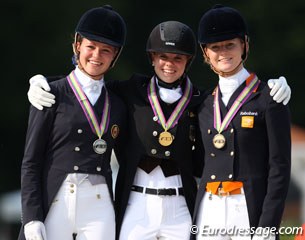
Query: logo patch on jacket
[[247, 121], [115, 131]]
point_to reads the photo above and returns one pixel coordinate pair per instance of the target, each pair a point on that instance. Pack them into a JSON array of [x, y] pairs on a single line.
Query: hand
[[38, 93], [280, 90], [35, 230]]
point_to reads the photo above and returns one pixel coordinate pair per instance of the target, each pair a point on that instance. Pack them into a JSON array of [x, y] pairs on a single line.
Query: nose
[[96, 52], [168, 63]]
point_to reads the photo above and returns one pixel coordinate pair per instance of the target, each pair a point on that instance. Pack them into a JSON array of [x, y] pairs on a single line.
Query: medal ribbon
[[179, 109], [240, 100], [99, 129]]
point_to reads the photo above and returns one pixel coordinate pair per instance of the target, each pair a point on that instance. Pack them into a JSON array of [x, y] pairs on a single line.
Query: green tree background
[[36, 37]]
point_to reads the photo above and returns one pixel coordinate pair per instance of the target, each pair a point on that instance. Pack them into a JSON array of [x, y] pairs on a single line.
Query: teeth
[[225, 59], [96, 63], [168, 71]]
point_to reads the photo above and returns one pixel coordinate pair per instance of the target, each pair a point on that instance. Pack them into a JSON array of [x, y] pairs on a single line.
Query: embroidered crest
[[115, 131]]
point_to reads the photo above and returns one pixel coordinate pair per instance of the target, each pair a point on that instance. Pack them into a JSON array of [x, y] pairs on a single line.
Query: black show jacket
[[259, 156], [141, 142], [59, 141]]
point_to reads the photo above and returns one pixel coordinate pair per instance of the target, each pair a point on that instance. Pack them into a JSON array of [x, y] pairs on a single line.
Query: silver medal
[[99, 146]]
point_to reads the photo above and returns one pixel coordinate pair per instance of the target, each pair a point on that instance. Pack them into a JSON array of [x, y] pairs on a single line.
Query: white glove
[[38, 93], [35, 230], [280, 90]]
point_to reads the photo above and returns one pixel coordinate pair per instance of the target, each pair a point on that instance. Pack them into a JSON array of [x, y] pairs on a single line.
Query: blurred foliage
[[37, 37]]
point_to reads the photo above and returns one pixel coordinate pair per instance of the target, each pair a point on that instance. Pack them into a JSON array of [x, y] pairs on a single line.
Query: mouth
[[95, 63], [168, 71], [225, 60]]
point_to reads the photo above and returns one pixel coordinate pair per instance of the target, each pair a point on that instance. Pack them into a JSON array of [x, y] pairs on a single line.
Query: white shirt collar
[[86, 81], [228, 85], [169, 95], [92, 88]]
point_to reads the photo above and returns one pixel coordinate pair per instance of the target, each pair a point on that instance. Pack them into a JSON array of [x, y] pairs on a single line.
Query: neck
[[93, 78], [228, 85], [172, 85]]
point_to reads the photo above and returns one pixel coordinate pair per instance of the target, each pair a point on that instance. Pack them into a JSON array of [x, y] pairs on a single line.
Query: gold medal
[[219, 141], [166, 138]]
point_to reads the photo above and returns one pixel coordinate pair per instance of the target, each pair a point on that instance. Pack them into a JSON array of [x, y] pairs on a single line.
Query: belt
[[220, 192], [158, 191]]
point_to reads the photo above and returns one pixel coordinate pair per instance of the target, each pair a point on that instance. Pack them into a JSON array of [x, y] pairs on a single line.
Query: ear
[[205, 54], [152, 57], [77, 46]]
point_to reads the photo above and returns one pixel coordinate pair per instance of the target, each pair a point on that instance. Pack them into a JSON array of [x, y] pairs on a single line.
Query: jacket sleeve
[[122, 138], [39, 128], [279, 138], [198, 154]]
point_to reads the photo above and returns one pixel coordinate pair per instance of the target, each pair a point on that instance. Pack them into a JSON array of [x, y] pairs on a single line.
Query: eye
[[230, 46], [163, 57], [178, 59], [214, 48], [90, 46], [106, 50]]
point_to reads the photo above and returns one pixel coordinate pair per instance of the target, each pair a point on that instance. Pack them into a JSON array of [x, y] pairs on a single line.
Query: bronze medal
[[166, 138], [219, 141], [99, 146]]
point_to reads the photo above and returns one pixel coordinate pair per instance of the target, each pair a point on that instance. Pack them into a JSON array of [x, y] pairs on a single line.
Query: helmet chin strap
[[173, 84], [227, 74]]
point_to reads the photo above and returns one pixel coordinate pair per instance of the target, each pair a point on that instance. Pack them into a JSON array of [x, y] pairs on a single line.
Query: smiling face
[[225, 56], [95, 58], [169, 67]]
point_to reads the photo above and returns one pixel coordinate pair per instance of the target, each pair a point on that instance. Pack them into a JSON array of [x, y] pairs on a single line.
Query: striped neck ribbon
[[97, 128], [252, 83], [179, 109]]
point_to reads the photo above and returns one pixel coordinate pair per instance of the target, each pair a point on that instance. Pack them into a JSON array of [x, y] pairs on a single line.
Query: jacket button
[[213, 155], [79, 131], [155, 118], [75, 168], [232, 130], [153, 151], [98, 169], [76, 149], [155, 133], [167, 153], [213, 177], [209, 131], [232, 153], [230, 176]]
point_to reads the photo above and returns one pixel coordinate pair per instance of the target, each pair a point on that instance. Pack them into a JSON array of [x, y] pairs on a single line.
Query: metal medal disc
[[219, 141], [99, 146], [166, 138]]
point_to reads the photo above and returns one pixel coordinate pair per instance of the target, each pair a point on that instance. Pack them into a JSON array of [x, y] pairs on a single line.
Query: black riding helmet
[[104, 25], [221, 23], [172, 37]]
